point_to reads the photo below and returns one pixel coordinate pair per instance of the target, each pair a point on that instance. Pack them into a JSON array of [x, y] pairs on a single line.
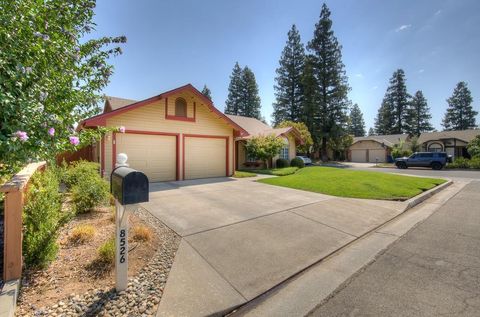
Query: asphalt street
[[434, 270]]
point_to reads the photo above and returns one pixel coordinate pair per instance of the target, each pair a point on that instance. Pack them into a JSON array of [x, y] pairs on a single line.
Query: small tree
[[340, 145], [264, 147], [473, 146], [414, 145], [304, 133], [207, 92]]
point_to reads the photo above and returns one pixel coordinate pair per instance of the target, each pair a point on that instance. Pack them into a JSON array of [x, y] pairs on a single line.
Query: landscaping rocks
[[142, 295]]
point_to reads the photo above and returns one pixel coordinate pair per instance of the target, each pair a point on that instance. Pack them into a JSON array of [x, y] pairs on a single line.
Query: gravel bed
[[143, 293]]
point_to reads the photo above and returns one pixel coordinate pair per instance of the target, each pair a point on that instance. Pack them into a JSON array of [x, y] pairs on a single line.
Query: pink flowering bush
[[51, 78]]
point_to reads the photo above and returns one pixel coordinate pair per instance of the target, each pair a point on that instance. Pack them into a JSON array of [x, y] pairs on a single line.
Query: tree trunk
[[324, 149]]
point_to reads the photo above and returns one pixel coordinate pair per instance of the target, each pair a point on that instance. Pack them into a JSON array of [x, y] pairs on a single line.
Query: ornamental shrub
[[281, 163], [475, 162], [297, 162], [106, 252], [42, 218], [460, 162], [80, 170], [89, 192]]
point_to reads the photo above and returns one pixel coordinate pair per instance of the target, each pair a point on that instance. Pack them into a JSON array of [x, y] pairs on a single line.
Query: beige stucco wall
[[152, 118]]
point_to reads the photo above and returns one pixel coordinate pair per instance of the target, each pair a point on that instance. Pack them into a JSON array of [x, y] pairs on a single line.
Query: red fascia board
[[101, 118]]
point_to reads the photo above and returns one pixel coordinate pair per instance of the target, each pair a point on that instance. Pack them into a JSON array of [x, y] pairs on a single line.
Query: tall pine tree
[[356, 124], [250, 100], [206, 92], [332, 84], [310, 99], [288, 86], [371, 131], [233, 104], [418, 115], [460, 114], [393, 111]]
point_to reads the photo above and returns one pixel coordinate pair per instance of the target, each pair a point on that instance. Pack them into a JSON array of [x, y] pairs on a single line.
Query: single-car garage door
[[154, 155], [204, 157], [374, 154], [359, 156]]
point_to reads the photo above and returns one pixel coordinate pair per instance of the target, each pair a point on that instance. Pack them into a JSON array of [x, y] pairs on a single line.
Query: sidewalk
[[433, 270]]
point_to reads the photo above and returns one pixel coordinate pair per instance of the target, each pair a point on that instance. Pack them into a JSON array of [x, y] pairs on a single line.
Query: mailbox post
[[129, 188]]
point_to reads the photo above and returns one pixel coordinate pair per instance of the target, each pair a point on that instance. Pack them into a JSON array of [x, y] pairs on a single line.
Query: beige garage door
[[154, 155], [204, 157], [359, 156], [374, 154]]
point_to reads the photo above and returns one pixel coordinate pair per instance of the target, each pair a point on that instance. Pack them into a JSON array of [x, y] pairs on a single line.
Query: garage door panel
[[154, 155], [374, 154], [359, 156], [205, 157]]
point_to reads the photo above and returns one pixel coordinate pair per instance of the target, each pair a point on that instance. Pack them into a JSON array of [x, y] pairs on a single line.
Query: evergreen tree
[[418, 115], [250, 100], [385, 120], [310, 99], [288, 87], [371, 131], [332, 85], [233, 104], [392, 114], [206, 92], [356, 124], [460, 114]]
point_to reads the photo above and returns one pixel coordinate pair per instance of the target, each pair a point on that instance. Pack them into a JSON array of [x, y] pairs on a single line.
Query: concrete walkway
[[242, 238]]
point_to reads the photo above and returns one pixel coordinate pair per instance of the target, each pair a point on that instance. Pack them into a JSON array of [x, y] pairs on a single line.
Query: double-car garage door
[[156, 155], [371, 156]]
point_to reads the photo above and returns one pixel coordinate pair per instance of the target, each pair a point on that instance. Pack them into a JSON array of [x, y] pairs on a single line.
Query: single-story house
[[374, 148], [452, 142], [255, 127], [176, 135]]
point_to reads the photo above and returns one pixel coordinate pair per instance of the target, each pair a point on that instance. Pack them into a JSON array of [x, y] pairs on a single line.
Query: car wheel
[[402, 165], [436, 166]]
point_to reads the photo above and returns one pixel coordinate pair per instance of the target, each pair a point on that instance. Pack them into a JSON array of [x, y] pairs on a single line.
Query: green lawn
[[355, 184], [241, 174], [277, 171]]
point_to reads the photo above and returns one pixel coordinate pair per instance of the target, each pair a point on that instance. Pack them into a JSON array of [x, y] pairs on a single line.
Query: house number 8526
[[123, 243]]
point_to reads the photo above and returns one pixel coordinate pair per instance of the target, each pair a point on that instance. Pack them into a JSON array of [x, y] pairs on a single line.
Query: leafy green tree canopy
[[304, 133], [50, 77], [473, 146], [264, 147]]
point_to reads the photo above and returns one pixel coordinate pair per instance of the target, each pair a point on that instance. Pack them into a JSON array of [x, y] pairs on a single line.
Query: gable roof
[[114, 103], [100, 120], [389, 140], [464, 135], [255, 127]]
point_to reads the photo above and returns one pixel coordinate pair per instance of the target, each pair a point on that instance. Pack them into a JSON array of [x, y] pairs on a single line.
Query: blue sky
[[171, 43]]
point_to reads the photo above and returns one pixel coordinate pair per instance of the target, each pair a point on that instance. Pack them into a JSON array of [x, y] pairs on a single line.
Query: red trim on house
[[204, 136], [173, 117], [100, 120], [102, 156], [177, 146], [114, 149]]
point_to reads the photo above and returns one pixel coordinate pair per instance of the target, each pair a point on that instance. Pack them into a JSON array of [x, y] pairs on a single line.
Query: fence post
[[14, 191], [12, 256]]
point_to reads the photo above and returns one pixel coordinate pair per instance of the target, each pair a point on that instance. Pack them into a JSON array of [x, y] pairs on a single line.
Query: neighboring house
[[255, 127], [176, 135], [374, 148], [452, 142]]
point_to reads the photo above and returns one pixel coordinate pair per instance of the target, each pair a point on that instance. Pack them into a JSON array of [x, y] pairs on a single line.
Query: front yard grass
[[242, 174], [277, 171], [355, 184]]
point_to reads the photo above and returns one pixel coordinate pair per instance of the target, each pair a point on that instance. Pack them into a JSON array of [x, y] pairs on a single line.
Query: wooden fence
[[15, 190]]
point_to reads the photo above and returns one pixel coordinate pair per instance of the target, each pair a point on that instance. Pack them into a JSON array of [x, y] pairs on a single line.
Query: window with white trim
[[284, 152]]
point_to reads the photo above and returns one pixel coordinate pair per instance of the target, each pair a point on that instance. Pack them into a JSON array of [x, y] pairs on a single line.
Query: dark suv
[[435, 160]]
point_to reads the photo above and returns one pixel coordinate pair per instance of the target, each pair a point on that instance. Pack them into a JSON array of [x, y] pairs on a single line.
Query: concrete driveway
[[242, 238]]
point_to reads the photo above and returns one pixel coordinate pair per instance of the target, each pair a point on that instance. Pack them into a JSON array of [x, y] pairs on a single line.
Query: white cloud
[[374, 87], [359, 75], [403, 27], [438, 12], [421, 70]]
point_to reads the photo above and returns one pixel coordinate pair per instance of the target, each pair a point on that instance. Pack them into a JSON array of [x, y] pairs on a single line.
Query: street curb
[[8, 298], [412, 202]]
